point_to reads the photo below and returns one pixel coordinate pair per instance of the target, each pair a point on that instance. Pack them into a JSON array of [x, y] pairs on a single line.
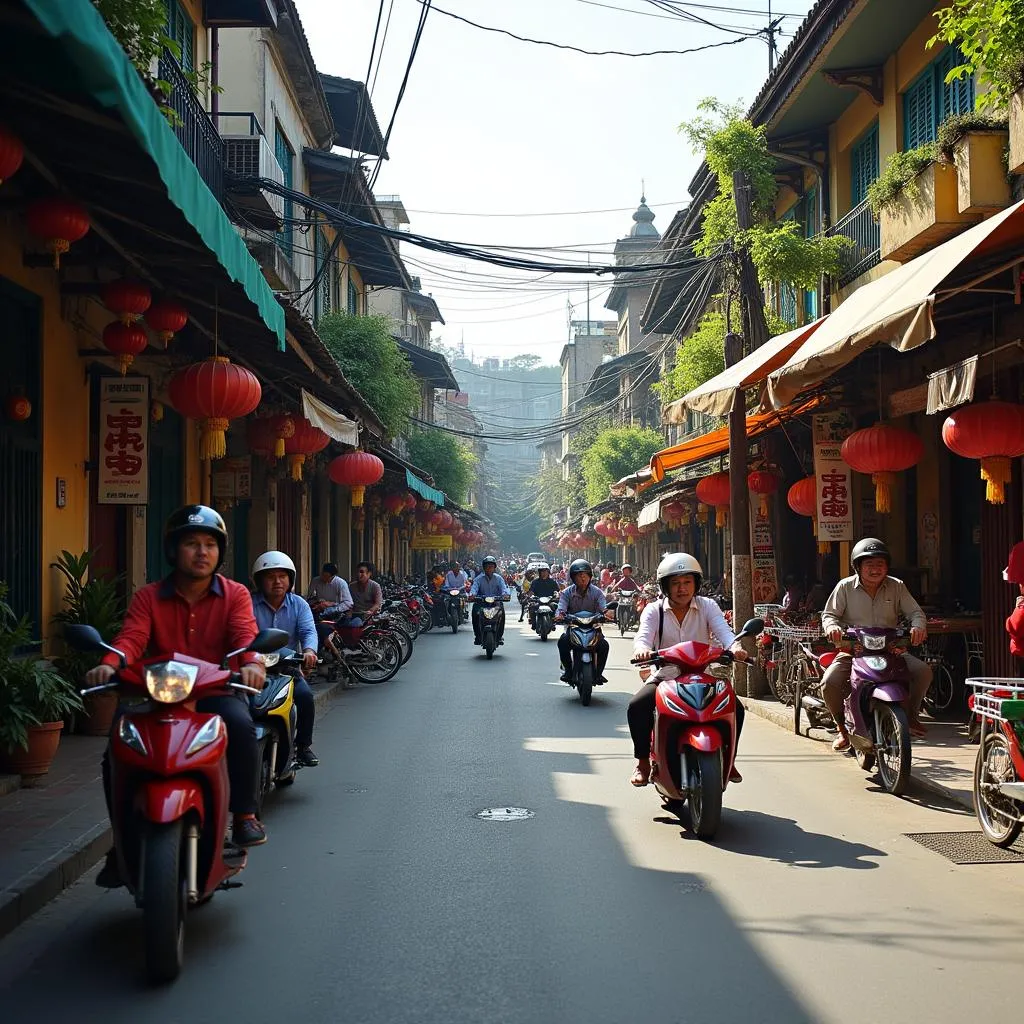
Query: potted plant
[[96, 603], [34, 698], [976, 144]]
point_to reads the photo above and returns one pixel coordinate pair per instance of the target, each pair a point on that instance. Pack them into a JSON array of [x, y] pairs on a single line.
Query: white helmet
[[679, 563], [273, 560]]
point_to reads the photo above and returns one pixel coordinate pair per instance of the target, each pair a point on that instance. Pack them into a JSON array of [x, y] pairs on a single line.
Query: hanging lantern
[[632, 531], [59, 222], [305, 440], [260, 437], [714, 490], [673, 511], [125, 341], [446, 519], [882, 451], [802, 497], [166, 318], [127, 299], [993, 432], [410, 501], [702, 513], [763, 483], [394, 503], [436, 519], [18, 408], [425, 504], [284, 428], [215, 392], [357, 470], [12, 152]]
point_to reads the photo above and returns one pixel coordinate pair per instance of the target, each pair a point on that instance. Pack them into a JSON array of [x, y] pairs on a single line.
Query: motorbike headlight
[[130, 736], [206, 735], [454, 593], [171, 682], [490, 613], [876, 662], [677, 708], [874, 643], [281, 697], [271, 659]]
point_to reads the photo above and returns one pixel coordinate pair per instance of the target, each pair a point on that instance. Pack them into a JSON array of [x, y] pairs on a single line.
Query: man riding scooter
[[276, 606], [488, 584], [198, 612], [542, 586], [582, 596], [871, 597]]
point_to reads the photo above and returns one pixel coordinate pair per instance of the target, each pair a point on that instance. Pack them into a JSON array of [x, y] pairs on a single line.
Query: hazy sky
[[491, 126]]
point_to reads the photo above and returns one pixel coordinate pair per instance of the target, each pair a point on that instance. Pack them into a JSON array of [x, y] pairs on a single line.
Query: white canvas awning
[[650, 513], [336, 426], [896, 309]]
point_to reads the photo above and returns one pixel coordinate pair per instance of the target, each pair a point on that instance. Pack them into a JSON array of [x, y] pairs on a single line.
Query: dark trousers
[[306, 709], [565, 653], [640, 715], [242, 755], [478, 618]]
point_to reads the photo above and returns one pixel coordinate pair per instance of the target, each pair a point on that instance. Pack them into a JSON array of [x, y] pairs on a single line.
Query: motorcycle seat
[[350, 635], [826, 659]]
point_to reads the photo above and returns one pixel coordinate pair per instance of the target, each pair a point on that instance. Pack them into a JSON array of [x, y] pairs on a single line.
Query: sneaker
[[734, 775], [110, 875], [306, 757], [248, 832], [602, 679], [566, 677]]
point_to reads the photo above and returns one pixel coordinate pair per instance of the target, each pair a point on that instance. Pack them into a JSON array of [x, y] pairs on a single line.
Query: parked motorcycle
[[169, 788], [876, 718], [585, 634], [543, 616], [453, 608], [275, 717], [999, 766], [367, 653], [492, 619], [693, 743]]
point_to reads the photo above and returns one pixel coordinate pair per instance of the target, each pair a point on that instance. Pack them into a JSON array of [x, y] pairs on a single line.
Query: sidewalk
[[53, 832], [943, 763]]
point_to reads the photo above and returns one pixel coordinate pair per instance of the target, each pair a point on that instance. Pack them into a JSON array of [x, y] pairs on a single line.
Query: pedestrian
[[1014, 573]]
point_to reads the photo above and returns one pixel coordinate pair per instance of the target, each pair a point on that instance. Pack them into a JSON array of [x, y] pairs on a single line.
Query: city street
[[382, 897]]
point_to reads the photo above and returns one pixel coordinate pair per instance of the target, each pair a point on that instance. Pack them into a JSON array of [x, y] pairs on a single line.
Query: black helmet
[[489, 560], [869, 547], [188, 519], [580, 565]]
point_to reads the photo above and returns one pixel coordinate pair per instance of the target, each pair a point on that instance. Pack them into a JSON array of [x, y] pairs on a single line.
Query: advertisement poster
[[123, 477], [765, 572], [232, 479], [834, 477]]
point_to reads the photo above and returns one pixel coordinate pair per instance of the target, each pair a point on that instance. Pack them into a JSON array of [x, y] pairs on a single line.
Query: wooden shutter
[[286, 161], [919, 122], [956, 97], [863, 166]]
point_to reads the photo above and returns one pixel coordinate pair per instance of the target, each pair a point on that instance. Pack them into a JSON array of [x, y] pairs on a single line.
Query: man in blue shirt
[[581, 596], [456, 578], [488, 584], [276, 607]]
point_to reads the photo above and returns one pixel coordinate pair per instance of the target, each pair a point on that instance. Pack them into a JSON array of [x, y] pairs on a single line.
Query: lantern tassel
[[358, 490], [883, 491], [824, 547], [58, 246], [996, 472], [212, 441], [297, 462], [124, 362], [721, 516], [762, 506], [279, 448]]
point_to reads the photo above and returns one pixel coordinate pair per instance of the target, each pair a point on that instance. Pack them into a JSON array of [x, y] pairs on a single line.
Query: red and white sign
[[123, 477], [834, 477], [765, 572]]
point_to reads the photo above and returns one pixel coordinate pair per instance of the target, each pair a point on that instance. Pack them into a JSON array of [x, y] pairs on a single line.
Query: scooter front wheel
[[892, 747], [165, 901], [705, 795], [998, 815], [585, 683], [489, 644]]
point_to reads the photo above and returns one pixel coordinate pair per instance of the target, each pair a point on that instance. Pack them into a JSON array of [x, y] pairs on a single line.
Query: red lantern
[[763, 482], [284, 428], [882, 451], [714, 490], [259, 435], [803, 497], [215, 392], [394, 503], [410, 501], [305, 440], [12, 152], [59, 222], [18, 408], [673, 511], [125, 341], [437, 519], [166, 318], [128, 299], [357, 470], [993, 432], [446, 519]]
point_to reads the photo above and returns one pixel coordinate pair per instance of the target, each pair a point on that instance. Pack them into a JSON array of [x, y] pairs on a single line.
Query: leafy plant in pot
[[97, 603], [34, 698]]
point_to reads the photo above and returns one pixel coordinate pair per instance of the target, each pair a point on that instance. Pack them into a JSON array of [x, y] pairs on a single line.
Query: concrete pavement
[[382, 897]]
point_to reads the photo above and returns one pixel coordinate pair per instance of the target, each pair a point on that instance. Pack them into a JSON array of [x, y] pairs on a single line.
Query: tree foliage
[[139, 26], [616, 452], [990, 34], [450, 462], [374, 365], [524, 361], [898, 179]]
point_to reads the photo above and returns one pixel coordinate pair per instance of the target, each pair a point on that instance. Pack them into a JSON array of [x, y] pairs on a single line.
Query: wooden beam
[[868, 80]]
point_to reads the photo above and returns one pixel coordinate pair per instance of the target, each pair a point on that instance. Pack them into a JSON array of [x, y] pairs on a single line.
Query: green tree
[[375, 366], [450, 462], [139, 26], [526, 361], [616, 452], [990, 34]]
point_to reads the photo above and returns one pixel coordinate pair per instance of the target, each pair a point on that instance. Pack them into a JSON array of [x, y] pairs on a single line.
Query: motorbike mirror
[[752, 627], [264, 642], [612, 605], [80, 637]]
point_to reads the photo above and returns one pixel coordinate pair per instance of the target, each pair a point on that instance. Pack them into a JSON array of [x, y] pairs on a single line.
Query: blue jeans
[[306, 709]]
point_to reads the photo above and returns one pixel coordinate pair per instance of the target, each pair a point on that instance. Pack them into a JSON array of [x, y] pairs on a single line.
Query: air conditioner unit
[[250, 156], [276, 269]]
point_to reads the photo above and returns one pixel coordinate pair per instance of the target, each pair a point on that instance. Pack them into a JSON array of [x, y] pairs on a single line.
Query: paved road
[[381, 898]]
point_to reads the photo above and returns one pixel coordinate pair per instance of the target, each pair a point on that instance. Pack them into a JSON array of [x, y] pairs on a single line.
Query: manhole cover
[[966, 847], [504, 814]]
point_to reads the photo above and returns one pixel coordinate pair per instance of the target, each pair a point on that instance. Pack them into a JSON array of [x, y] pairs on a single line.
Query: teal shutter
[[286, 161], [919, 124], [182, 30], [956, 97], [863, 166], [353, 299]]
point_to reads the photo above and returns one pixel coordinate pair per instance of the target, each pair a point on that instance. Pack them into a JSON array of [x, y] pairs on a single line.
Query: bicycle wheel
[[939, 698]]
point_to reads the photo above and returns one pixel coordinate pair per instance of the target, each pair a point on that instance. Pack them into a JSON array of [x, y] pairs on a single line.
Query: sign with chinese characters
[[123, 477], [431, 542], [765, 573], [232, 478], [834, 477]]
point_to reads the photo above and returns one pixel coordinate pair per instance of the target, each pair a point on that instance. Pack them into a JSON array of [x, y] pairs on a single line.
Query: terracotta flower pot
[[42, 746], [100, 709]]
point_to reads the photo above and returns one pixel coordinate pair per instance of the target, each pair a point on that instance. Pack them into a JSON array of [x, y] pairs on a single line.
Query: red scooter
[[693, 745], [169, 788]]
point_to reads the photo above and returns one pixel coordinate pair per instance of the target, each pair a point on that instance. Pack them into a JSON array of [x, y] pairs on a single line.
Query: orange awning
[[709, 446]]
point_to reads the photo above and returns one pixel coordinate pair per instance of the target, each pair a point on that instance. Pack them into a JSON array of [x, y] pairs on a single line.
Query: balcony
[[248, 156], [192, 125], [860, 226]]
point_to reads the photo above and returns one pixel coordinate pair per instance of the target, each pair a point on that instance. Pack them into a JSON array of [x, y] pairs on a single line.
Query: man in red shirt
[[198, 612]]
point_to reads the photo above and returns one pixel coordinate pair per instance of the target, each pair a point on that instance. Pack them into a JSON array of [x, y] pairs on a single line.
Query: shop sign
[[765, 572], [431, 542], [232, 479], [833, 476], [123, 477]]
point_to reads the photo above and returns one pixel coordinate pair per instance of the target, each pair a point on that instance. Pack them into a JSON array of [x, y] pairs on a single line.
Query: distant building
[[592, 341]]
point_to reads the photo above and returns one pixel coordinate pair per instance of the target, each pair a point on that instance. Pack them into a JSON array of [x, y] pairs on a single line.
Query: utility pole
[[755, 331]]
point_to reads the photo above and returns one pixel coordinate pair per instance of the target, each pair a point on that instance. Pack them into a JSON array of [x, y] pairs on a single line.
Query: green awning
[[111, 79], [424, 490]]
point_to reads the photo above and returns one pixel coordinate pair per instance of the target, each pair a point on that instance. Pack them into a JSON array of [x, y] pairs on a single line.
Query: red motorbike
[[693, 744], [169, 788]]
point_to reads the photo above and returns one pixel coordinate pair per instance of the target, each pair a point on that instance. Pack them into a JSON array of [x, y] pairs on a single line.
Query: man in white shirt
[[680, 615], [329, 596], [456, 578]]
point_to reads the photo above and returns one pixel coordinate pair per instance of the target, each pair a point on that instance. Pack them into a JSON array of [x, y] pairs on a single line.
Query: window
[[864, 165], [322, 296], [353, 299], [182, 30], [286, 161], [929, 100]]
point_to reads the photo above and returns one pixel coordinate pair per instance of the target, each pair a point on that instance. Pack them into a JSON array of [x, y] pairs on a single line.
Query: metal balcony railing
[[860, 226], [193, 127]]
